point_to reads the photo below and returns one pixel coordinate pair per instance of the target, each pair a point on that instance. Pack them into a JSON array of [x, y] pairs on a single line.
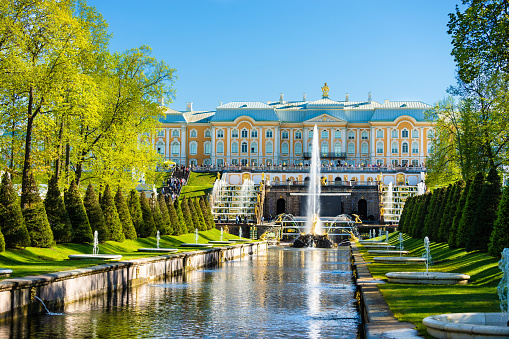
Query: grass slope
[[198, 184], [34, 261], [413, 303]]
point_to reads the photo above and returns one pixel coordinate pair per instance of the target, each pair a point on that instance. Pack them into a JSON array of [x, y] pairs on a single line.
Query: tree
[[2, 242], [188, 219], [469, 209], [159, 222], [58, 217], [135, 212], [444, 197], [124, 216], [111, 218], [184, 228], [448, 213], [458, 212], [207, 213], [197, 208], [429, 221], [499, 238], [194, 215], [148, 228], [82, 232], [35, 216], [418, 228], [166, 215], [12, 223], [95, 214], [480, 229], [177, 227]]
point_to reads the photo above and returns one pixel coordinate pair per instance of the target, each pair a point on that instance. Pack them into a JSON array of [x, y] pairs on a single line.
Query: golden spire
[[325, 91]]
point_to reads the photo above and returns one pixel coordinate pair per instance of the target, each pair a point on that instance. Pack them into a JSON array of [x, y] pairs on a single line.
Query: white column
[[358, 148], [213, 145], [372, 141], [344, 136], [304, 140], [227, 145], [290, 151], [167, 151], [260, 154], [276, 148], [183, 149]]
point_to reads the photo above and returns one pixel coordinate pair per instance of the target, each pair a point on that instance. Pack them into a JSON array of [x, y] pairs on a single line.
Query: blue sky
[[240, 50]]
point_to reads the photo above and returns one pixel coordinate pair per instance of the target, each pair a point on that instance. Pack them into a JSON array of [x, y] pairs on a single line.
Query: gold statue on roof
[[325, 91]]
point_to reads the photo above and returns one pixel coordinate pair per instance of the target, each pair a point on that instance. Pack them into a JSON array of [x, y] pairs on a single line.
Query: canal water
[[283, 293]]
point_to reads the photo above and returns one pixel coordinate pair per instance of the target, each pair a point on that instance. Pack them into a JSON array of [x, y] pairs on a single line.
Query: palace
[[357, 133]]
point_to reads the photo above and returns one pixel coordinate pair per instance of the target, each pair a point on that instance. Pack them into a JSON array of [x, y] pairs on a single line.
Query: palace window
[[325, 134], [268, 133], [351, 149], [268, 148], [431, 134], [207, 133], [379, 162], [415, 147], [298, 148], [379, 133], [243, 147], [394, 162], [175, 148], [324, 148], [310, 147], [394, 148], [404, 148], [394, 133], [219, 162], [243, 133], [298, 135], [254, 133], [220, 133], [160, 132], [235, 133], [430, 148], [235, 147], [310, 134], [160, 147], [284, 135], [220, 147], [404, 133], [379, 147], [193, 148], [404, 162], [193, 133], [415, 134], [364, 135], [175, 133], [193, 162], [337, 134], [337, 148], [284, 148], [254, 148], [235, 162], [207, 147], [415, 163], [364, 149]]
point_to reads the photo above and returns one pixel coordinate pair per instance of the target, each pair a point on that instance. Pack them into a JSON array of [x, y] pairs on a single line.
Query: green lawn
[[198, 184], [415, 302], [34, 261]]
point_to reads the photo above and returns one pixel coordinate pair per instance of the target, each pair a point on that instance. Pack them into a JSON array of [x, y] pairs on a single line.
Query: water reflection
[[284, 293]]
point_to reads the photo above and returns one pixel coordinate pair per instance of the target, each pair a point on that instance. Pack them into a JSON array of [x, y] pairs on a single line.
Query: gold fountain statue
[[313, 224]]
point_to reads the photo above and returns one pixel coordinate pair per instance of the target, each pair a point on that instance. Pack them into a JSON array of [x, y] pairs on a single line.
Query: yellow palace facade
[[280, 133]]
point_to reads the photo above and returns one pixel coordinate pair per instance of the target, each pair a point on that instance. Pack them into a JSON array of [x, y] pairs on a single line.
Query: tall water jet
[[313, 203]]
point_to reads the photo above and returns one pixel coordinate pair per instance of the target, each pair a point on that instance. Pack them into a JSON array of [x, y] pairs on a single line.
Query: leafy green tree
[[499, 238], [467, 217], [207, 213], [58, 217], [188, 219], [82, 232], [95, 214], [135, 212], [111, 218], [455, 228], [2, 242], [35, 216], [12, 223], [177, 227], [149, 226], [124, 216], [166, 215], [480, 229]]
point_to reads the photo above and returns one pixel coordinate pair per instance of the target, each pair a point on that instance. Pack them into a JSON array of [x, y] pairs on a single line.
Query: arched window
[[379, 147], [284, 135], [404, 147], [415, 147], [254, 148], [243, 133], [194, 133], [220, 147], [207, 133], [235, 147], [337, 134], [220, 133], [160, 146], [298, 148], [243, 147], [394, 148], [394, 133], [431, 134], [404, 133], [430, 147], [175, 133], [364, 148], [351, 148], [379, 133], [351, 135], [207, 147], [415, 134], [268, 133], [175, 148], [193, 147], [337, 148], [268, 148], [193, 162], [235, 133], [284, 148], [325, 134], [254, 133], [364, 135], [298, 135], [324, 148]]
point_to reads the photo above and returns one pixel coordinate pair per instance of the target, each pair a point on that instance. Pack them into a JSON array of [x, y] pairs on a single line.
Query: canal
[[281, 293]]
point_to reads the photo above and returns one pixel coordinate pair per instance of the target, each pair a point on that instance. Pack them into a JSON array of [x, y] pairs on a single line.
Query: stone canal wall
[[18, 295]]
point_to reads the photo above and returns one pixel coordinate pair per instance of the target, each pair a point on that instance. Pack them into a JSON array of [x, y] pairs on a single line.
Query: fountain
[[95, 252], [220, 241], [5, 272], [476, 325], [196, 243], [399, 250], [157, 249], [314, 238]]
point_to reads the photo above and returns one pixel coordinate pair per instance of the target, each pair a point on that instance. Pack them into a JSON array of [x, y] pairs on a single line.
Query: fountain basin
[[5, 272], [157, 250], [241, 240], [195, 245], [379, 247], [400, 260], [468, 325], [219, 242], [375, 243], [430, 278], [386, 252], [95, 256]]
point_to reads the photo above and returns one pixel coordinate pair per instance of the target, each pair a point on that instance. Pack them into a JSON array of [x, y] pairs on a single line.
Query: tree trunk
[[58, 160], [28, 148]]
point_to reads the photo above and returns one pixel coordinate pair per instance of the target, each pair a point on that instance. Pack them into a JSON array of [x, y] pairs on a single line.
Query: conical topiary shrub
[[111, 218], [166, 216], [35, 216], [135, 211], [81, 230], [157, 215], [467, 216], [194, 215], [148, 228], [499, 238], [188, 219], [12, 222], [58, 217], [180, 215], [198, 211], [177, 228], [124, 216], [95, 214], [207, 213], [2, 242]]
